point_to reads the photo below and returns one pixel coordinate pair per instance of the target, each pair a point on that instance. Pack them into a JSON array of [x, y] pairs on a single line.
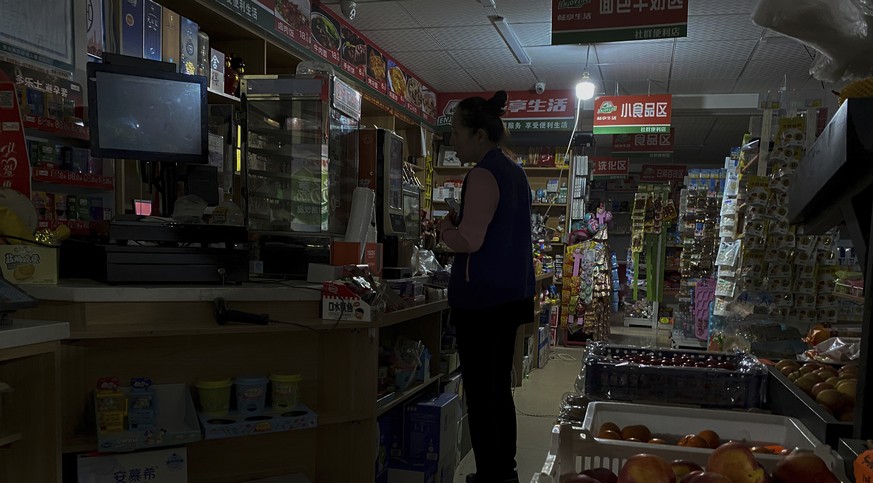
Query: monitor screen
[[145, 114]]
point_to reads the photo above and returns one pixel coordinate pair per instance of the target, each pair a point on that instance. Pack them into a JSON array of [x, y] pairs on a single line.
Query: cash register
[[144, 110]]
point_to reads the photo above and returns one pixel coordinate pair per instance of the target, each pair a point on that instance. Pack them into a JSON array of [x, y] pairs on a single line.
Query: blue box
[[431, 429], [132, 19], [390, 438], [151, 45], [188, 49]]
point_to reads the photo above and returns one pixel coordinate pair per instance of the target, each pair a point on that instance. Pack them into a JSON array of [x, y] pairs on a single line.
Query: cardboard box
[[152, 31], [158, 466], [170, 36], [432, 433], [131, 28], [29, 264], [449, 362], [338, 302], [412, 472], [188, 48], [390, 438], [347, 253]]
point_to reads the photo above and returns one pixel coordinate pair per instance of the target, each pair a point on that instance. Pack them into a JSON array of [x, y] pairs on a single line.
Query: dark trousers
[[486, 342]]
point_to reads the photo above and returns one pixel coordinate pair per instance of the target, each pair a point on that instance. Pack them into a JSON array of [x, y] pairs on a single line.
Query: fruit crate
[[574, 450], [783, 397], [607, 375], [671, 423]]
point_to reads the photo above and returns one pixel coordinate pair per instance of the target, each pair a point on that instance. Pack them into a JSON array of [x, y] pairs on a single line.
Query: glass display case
[[300, 153]]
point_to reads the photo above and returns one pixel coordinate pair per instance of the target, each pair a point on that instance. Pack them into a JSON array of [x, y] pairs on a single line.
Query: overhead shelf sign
[[649, 145], [633, 114], [607, 167], [592, 21]]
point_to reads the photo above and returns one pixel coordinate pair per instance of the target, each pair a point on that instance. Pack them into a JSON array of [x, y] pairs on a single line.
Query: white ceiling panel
[[713, 69], [702, 86], [507, 78], [379, 15], [723, 50], [636, 71], [777, 68], [621, 52], [558, 76], [483, 59], [720, 7], [426, 60], [533, 34], [632, 87], [453, 13], [442, 80], [557, 54], [468, 38], [691, 131], [781, 48], [722, 27], [524, 11], [406, 39]]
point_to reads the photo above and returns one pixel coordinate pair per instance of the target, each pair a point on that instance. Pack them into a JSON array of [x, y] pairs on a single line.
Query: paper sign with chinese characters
[[14, 164], [594, 21], [663, 173], [633, 114], [550, 111], [649, 145], [609, 167]]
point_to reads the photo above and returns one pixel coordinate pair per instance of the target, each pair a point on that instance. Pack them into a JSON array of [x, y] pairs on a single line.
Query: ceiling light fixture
[[511, 39], [585, 87]]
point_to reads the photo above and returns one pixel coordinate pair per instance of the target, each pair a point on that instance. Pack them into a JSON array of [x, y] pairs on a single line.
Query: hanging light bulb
[[585, 87]]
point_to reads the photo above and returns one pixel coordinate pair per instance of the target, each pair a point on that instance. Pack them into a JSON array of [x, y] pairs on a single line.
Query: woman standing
[[491, 290]]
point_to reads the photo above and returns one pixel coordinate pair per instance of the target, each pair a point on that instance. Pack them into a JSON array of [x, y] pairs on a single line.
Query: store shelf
[[548, 205], [545, 170], [392, 318], [293, 137], [77, 227], [452, 169], [217, 97], [851, 298], [405, 395], [545, 276], [55, 128], [8, 437], [69, 178]]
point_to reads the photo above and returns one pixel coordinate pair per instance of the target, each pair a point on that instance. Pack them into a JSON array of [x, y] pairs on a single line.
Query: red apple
[[705, 477], [646, 468], [735, 461], [803, 466], [603, 475], [682, 468]]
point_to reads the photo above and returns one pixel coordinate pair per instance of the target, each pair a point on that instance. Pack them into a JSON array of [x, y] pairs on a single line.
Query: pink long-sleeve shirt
[[480, 203]]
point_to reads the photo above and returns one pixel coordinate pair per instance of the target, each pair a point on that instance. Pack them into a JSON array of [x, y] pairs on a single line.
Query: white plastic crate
[[575, 450], [675, 422]]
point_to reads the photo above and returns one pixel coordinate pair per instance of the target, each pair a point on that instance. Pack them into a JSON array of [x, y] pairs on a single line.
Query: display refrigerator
[[299, 168], [300, 152]]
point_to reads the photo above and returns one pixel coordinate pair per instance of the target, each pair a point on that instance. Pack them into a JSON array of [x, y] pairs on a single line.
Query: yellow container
[[286, 390], [214, 396]]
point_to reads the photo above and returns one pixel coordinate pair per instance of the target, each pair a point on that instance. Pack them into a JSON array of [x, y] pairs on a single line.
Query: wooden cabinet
[[177, 341]]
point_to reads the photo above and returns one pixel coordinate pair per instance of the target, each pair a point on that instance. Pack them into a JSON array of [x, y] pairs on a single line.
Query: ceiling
[[452, 45]]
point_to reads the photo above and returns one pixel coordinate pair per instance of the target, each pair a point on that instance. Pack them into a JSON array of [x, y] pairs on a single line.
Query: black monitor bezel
[[132, 70]]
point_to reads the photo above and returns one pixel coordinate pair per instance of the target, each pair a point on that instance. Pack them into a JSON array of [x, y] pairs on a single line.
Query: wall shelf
[[406, 395]]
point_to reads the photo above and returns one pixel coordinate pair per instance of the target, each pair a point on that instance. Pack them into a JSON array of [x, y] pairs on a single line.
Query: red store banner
[[555, 106], [633, 114], [609, 167], [595, 21], [14, 163], [663, 173]]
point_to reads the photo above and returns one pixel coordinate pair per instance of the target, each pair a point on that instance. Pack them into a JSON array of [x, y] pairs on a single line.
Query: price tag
[[864, 467]]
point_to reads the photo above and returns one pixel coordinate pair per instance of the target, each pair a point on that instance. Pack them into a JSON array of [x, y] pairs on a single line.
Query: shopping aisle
[[537, 402]]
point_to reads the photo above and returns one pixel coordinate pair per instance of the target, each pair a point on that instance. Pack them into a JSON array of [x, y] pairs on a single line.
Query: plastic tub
[[251, 394], [286, 390], [214, 395]]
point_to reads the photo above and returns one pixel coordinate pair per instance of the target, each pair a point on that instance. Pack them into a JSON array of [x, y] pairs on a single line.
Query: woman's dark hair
[[477, 113]]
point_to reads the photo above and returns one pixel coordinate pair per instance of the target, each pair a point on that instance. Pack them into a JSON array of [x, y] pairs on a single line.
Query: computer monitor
[[139, 112]]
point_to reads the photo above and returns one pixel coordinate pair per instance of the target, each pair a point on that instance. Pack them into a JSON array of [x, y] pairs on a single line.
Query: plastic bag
[[839, 29], [189, 209]]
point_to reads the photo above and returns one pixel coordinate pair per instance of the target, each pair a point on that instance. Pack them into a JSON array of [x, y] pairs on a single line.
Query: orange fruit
[[693, 441]]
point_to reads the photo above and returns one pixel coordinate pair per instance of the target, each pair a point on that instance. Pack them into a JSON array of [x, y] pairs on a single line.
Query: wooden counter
[[168, 334], [29, 415]]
